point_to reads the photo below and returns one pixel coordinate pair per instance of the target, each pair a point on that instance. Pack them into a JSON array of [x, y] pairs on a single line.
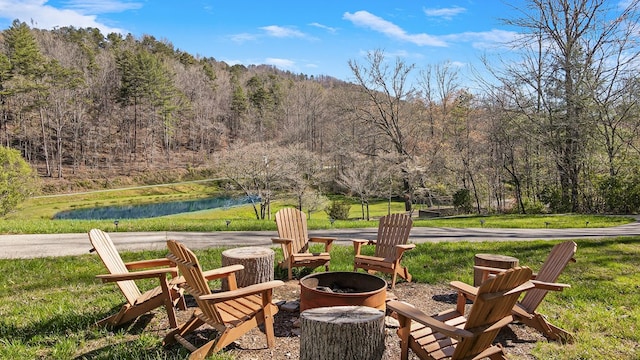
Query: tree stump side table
[[494, 261], [258, 265], [342, 333]]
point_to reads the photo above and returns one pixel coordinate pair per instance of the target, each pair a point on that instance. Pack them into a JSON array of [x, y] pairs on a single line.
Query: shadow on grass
[[133, 349], [506, 337], [64, 324]]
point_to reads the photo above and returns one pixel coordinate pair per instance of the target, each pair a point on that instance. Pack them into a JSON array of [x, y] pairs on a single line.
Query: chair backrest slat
[[292, 224], [490, 306], [393, 230], [111, 259], [560, 255], [190, 268]]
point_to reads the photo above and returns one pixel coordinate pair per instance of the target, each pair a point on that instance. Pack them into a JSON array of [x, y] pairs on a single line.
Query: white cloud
[[328, 28], [40, 15], [284, 64], [282, 32], [368, 20], [281, 63], [485, 39], [240, 38], [445, 13], [270, 31], [101, 6]]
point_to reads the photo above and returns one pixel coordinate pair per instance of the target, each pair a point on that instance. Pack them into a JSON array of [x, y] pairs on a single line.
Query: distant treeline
[[556, 129]]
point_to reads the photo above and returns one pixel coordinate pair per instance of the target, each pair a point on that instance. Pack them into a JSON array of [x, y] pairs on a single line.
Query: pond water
[[151, 210]]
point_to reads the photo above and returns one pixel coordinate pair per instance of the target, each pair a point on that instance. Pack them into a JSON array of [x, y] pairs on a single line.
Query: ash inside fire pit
[[333, 288], [342, 289]]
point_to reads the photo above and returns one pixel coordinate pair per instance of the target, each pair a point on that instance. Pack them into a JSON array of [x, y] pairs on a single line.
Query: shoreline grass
[[35, 215], [210, 221]]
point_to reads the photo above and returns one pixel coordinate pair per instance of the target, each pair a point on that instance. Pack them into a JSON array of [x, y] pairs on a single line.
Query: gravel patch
[[517, 339]]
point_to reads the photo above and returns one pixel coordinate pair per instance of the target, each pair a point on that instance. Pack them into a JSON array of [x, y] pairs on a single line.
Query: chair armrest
[[281, 241], [401, 248], [406, 246], [137, 275], [465, 292], [357, 245], [323, 239], [242, 292], [466, 289], [410, 312], [489, 269], [142, 264], [222, 272], [549, 286], [328, 241], [364, 241]]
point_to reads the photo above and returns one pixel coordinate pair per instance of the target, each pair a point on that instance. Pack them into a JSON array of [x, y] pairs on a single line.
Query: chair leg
[[108, 321], [268, 326], [561, 335], [461, 303], [168, 295], [205, 350], [171, 314], [129, 313], [394, 277], [500, 356], [550, 331], [405, 273], [403, 333], [495, 352], [191, 325]]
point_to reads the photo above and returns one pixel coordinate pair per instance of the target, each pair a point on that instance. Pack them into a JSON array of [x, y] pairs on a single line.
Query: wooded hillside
[[557, 128]]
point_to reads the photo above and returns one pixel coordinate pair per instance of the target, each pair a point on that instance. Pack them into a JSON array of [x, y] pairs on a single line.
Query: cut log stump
[[494, 261], [342, 333], [258, 265]]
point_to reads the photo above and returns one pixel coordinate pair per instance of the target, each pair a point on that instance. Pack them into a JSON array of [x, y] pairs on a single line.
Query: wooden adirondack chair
[[138, 303], [545, 280], [451, 335], [231, 313], [391, 243], [294, 239]]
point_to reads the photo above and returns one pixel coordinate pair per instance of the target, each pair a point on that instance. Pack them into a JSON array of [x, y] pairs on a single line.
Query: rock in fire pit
[[342, 289]]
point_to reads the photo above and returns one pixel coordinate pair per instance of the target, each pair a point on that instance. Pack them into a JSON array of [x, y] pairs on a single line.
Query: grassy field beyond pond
[[49, 305], [35, 215]]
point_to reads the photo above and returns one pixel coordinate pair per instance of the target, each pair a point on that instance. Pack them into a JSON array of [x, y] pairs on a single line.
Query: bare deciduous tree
[[385, 91], [568, 46]]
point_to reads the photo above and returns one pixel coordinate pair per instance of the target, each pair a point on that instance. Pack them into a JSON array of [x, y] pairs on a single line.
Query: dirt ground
[[516, 339]]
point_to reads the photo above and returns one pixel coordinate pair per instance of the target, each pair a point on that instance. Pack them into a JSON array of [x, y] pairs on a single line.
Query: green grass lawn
[[48, 306]]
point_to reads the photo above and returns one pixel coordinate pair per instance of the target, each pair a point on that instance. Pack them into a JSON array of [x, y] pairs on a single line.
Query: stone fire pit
[[342, 289]]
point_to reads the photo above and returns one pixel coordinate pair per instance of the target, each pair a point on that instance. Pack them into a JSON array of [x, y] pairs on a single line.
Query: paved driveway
[[43, 245]]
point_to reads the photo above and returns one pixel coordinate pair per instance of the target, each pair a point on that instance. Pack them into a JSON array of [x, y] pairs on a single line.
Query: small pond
[[151, 210]]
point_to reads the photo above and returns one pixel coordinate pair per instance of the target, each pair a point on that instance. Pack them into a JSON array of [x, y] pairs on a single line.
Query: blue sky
[[311, 37]]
